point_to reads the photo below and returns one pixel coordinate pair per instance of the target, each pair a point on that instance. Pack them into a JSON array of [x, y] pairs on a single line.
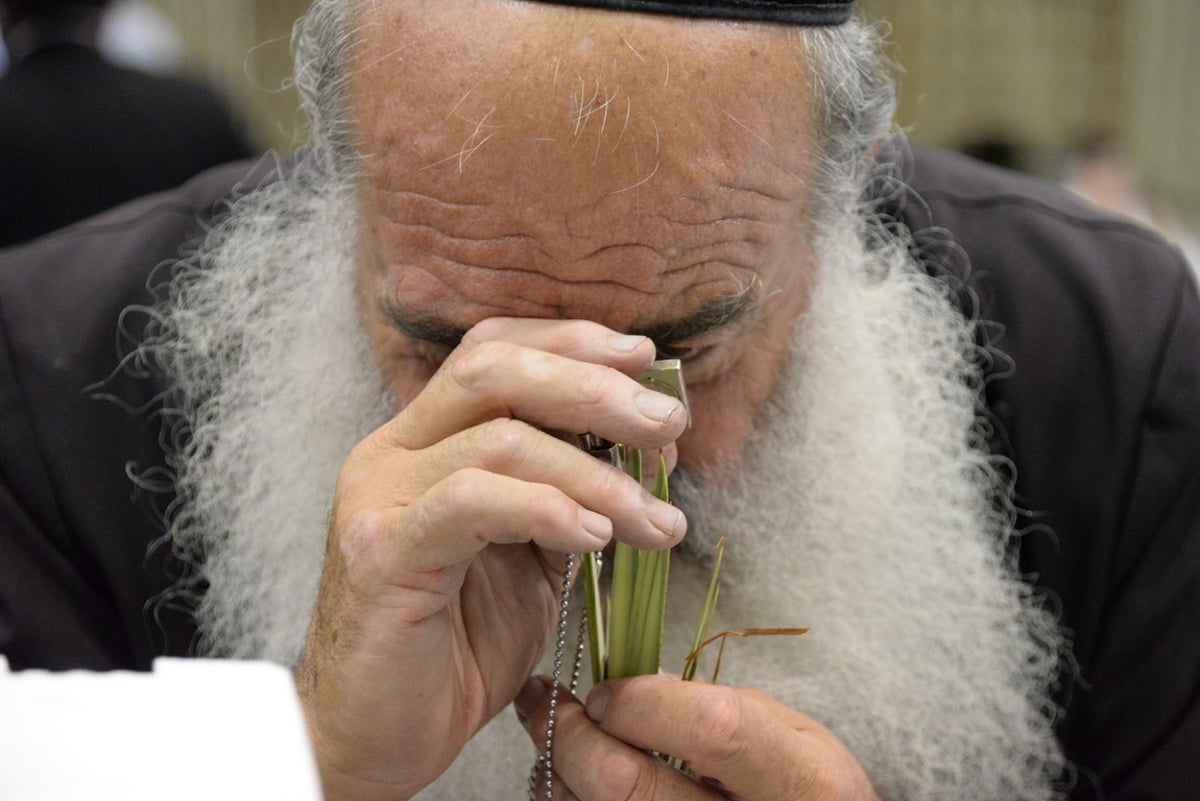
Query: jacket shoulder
[[79, 425]]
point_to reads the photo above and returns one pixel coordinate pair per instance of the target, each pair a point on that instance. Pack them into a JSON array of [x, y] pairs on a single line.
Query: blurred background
[[1101, 94]]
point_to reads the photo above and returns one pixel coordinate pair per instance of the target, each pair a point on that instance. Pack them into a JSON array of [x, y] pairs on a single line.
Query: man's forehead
[[547, 161], [576, 105]]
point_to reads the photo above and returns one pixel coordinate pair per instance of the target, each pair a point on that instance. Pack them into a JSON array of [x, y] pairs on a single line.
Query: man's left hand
[[742, 742]]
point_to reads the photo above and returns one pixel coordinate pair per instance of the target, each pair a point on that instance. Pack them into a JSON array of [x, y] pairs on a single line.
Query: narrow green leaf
[[662, 490], [633, 463], [620, 605], [706, 616], [650, 652], [597, 643], [650, 599]]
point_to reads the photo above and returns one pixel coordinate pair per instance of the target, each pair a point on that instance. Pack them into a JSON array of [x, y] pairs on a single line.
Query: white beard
[[261, 339], [866, 508]]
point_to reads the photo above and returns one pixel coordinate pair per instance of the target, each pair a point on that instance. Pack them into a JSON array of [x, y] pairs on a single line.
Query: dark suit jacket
[[1098, 406], [79, 135]]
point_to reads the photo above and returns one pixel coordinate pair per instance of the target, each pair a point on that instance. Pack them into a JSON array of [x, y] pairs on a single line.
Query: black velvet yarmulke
[[796, 12]]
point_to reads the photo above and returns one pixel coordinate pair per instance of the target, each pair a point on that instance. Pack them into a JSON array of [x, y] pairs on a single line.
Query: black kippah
[[797, 12]]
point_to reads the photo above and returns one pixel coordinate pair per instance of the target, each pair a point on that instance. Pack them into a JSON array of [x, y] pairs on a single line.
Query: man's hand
[[445, 562], [742, 743]]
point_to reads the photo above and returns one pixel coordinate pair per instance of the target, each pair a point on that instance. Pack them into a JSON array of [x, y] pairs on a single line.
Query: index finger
[[497, 379], [582, 340]]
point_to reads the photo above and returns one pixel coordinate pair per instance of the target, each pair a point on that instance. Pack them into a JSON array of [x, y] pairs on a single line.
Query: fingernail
[[597, 702], [657, 406], [598, 526], [625, 343], [663, 516], [530, 697]]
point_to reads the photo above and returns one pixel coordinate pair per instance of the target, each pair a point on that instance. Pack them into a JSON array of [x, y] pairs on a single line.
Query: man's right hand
[[445, 561]]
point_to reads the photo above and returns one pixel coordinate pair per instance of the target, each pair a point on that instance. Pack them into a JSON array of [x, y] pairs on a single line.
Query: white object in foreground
[[192, 729]]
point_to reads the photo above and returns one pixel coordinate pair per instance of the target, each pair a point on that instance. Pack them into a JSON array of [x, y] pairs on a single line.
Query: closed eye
[[684, 353]]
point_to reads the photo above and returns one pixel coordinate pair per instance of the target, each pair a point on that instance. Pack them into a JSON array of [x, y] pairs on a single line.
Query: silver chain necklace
[[542, 772]]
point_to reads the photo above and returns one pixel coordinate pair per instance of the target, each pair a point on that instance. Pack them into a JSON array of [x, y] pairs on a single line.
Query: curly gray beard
[[865, 507]]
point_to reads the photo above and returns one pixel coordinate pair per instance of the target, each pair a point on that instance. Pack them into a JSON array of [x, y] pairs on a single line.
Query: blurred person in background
[[79, 134]]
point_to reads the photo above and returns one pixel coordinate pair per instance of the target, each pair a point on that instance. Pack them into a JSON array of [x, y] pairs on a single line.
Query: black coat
[[1099, 410]]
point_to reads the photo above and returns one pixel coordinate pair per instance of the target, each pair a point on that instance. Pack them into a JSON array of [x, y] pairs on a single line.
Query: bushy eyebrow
[[423, 327], [718, 313]]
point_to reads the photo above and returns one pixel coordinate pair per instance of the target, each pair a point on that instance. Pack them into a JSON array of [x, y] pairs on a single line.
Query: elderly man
[[349, 421]]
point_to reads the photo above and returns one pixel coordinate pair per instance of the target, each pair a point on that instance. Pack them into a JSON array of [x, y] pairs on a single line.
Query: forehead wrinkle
[[527, 277], [465, 240], [675, 253], [776, 195], [471, 243], [468, 219], [686, 222], [699, 222], [382, 187], [523, 253], [539, 274], [409, 203], [465, 299]]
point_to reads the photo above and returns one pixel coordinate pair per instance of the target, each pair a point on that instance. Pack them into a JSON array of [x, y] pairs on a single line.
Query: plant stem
[[597, 643]]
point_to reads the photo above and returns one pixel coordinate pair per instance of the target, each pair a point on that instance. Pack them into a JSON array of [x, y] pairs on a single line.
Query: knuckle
[[614, 488], [361, 537], [363, 459], [452, 507], [503, 444], [460, 490], [828, 770], [554, 511], [360, 530], [613, 481], [477, 368], [592, 385], [363, 451], [624, 776], [719, 720], [576, 336]]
